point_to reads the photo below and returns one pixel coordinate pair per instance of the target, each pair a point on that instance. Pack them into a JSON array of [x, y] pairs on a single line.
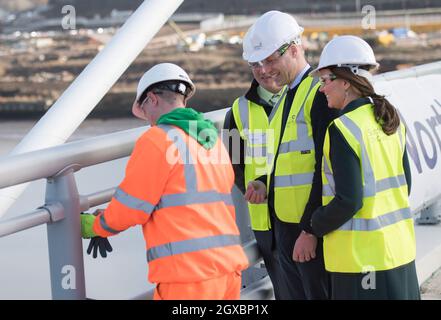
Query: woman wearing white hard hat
[[369, 239]]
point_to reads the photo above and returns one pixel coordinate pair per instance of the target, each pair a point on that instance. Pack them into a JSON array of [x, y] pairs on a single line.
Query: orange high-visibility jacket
[[181, 195]]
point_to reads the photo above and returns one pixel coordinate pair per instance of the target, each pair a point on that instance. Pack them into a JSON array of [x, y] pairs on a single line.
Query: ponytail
[[385, 114]]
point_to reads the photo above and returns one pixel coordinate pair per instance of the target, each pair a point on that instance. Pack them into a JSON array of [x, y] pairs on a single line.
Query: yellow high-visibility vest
[[381, 235], [294, 168], [252, 123]]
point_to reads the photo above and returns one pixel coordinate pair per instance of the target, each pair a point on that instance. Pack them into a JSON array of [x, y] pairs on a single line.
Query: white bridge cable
[[79, 99]]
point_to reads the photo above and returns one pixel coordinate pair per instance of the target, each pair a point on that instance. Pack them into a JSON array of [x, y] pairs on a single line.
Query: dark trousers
[[400, 283], [307, 280], [266, 244]]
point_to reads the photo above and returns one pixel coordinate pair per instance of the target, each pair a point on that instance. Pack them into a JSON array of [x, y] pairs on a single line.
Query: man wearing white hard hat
[[247, 122], [366, 222], [292, 186], [178, 188]]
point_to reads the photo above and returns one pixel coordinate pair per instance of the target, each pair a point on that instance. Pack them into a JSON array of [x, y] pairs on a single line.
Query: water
[[24, 267]]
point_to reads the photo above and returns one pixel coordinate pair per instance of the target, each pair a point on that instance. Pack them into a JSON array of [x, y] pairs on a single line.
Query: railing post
[[64, 239], [430, 214], [253, 273]]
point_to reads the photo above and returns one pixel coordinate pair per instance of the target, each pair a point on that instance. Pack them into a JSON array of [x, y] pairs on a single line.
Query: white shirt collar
[[299, 77]]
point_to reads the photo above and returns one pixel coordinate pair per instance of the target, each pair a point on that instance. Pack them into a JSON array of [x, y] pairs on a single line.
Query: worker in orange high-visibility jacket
[[178, 186]]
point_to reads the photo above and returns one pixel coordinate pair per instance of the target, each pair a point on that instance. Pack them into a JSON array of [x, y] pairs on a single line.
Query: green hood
[[193, 123]]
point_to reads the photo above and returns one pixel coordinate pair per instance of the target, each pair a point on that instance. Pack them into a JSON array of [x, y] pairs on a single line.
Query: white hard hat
[[272, 30], [347, 51], [165, 72]]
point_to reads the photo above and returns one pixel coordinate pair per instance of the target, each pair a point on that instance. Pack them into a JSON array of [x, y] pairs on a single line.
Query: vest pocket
[[290, 202]]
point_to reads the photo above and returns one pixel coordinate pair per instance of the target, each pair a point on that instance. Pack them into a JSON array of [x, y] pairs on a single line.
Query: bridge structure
[[416, 92]]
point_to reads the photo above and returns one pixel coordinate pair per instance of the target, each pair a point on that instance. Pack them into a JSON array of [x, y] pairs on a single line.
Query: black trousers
[[400, 283], [307, 280], [267, 247]]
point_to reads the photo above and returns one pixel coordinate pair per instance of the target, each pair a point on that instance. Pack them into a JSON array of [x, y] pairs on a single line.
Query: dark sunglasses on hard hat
[[178, 87], [280, 52], [173, 85]]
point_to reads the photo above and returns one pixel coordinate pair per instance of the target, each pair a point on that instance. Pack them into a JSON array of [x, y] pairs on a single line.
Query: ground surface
[[35, 71]]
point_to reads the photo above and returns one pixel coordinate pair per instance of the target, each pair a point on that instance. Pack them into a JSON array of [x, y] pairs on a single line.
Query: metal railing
[[63, 203]]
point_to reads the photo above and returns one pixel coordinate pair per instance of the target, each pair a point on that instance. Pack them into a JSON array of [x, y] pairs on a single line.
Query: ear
[[293, 48], [137, 111], [346, 84], [153, 98]]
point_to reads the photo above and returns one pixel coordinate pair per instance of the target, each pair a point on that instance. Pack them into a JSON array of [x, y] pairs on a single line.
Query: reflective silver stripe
[[302, 127], [328, 189], [381, 185], [369, 179], [182, 199], [257, 137], [133, 202], [358, 224], [105, 226], [293, 180], [255, 152], [296, 145], [303, 142], [244, 112], [269, 159], [270, 155], [192, 245], [187, 159], [192, 196], [390, 183], [400, 136], [277, 105]]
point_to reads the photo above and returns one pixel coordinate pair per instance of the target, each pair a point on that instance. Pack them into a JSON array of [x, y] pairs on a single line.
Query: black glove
[[99, 243]]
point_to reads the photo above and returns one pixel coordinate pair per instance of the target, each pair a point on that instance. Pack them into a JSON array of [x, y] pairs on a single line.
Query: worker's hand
[[100, 243], [256, 192], [98, 211], [87, 221], [304, 248]]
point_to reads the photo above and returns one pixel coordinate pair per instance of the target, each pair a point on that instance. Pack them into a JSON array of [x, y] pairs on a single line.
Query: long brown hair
[[384, 112]]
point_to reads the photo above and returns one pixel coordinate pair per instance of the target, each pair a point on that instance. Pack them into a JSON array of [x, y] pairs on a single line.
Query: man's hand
[[87, 221], [96, 243], [304, 248], [100, 243], [256, 192], [98, 211]]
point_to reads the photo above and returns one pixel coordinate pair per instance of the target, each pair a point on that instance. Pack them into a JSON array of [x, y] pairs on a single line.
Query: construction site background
[[39, 59]]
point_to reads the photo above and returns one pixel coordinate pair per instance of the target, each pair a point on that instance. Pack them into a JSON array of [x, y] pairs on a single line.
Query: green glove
[[87, 221]]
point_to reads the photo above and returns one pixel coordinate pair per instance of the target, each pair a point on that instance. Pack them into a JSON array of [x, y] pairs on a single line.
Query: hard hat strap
[[297, 40], [355, 69]]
